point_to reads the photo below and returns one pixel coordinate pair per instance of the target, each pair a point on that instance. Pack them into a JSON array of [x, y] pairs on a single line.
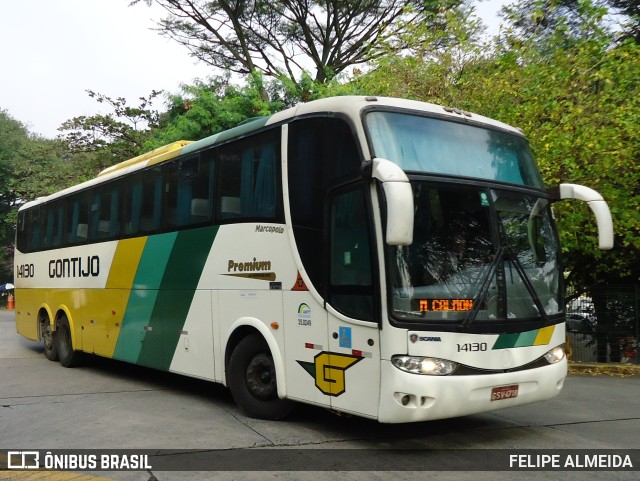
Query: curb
[[587, 368]]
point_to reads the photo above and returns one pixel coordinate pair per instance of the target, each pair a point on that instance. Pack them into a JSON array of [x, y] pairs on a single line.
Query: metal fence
[[603, 325]]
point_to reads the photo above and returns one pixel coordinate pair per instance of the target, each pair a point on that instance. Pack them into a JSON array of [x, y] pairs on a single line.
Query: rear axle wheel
[[49, 338], [66, 355]]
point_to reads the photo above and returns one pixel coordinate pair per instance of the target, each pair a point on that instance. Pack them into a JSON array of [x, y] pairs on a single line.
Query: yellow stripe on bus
[[544, 336], [125, 263], [163, 153]]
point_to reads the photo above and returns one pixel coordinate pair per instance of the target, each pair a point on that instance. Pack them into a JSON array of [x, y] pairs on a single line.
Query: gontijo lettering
[[88, 266]]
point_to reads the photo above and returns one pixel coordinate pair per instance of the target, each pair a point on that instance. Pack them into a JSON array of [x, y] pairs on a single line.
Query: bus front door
[[305, 346], [352, 370]]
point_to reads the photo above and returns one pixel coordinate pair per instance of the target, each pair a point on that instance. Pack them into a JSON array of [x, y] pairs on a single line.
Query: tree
[[577, 99], [545, 18], [282, 38], [630, 10], [13, 137], [578, 102], [30, 167], [209, 107], [115, 136], [433, 70]]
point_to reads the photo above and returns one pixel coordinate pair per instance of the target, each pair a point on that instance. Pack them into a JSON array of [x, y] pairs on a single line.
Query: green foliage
[[578, 104], [13, 146], [555, 71], [575, 93], [206, 108], [283, 38], [115, 136], [630, 10], [30, 167], [434, 71]]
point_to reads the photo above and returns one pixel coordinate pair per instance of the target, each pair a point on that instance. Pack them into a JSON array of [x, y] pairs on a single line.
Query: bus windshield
[[424, 144], [478, 254]]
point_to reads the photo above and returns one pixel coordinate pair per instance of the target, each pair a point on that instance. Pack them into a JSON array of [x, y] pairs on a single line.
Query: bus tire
[[252, 380], [50, 342], [66, 355]]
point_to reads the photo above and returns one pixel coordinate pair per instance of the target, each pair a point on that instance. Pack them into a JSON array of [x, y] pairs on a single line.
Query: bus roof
[[349, 105]]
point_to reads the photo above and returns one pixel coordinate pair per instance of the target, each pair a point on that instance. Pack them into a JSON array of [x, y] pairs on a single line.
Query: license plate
[[504, 392]]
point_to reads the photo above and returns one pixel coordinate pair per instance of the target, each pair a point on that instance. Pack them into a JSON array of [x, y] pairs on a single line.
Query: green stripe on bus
[[526, 339], [181, 276], [144, 293], [518, 339], [505, 341], [244, 128], [154, 261]]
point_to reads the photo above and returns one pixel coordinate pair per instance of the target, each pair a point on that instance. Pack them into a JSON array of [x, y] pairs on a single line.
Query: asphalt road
[[109, 405]]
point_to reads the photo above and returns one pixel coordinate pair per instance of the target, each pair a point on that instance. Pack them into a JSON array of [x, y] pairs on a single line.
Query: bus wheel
[[252, 380], [50, 343], [66, 355]]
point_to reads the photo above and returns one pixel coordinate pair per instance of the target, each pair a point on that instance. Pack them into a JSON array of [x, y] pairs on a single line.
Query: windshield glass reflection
[[425, 144], [477, 254]]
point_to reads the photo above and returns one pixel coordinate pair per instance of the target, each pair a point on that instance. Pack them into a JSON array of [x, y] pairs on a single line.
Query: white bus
[[387, 258]]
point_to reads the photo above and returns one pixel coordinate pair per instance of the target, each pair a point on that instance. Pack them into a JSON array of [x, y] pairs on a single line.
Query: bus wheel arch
[[47, 334], [253, 375], [67, 356]]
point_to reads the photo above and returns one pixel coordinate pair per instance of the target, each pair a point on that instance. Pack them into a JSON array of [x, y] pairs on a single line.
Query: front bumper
[[439, 397]]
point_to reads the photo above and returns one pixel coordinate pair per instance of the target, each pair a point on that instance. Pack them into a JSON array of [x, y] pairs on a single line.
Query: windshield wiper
[[527, 283], [503, 253], [484, 289]]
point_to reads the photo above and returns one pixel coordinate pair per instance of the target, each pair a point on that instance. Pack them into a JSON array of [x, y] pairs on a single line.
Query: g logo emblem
[[328, 370]]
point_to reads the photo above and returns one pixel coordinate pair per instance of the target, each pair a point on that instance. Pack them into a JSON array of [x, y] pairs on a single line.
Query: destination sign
[[430, 305]]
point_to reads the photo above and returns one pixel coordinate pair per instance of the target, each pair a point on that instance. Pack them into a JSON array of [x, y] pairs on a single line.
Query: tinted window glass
[[322, 155], [77, 219], [351, 289], [105, 213], [423, 144], [54, 225], [248, 179], [143, 203]]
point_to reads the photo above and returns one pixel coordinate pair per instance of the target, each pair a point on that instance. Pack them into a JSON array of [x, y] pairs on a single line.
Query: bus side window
[[199, 202], [259, 183], [248, 179], [143, 203], [105, 213], [54, 226], [21, 235], [228, 175], [188, 192], [34, 229], [77, 219]]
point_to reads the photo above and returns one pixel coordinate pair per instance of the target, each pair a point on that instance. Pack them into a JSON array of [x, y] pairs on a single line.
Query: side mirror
[[399, 197], [597, 205]]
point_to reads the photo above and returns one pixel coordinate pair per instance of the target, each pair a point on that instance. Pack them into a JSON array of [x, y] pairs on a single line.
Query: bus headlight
[[555, 355], [424, 365]]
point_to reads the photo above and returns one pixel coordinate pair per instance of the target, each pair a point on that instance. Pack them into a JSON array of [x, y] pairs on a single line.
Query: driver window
[[351, 280]]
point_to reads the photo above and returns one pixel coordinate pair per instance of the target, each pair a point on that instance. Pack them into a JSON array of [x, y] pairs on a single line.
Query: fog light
[[402, 398], [555, 355]]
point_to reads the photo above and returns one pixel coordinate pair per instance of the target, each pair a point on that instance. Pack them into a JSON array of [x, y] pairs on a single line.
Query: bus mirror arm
[[597, 205], [399, 201]]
